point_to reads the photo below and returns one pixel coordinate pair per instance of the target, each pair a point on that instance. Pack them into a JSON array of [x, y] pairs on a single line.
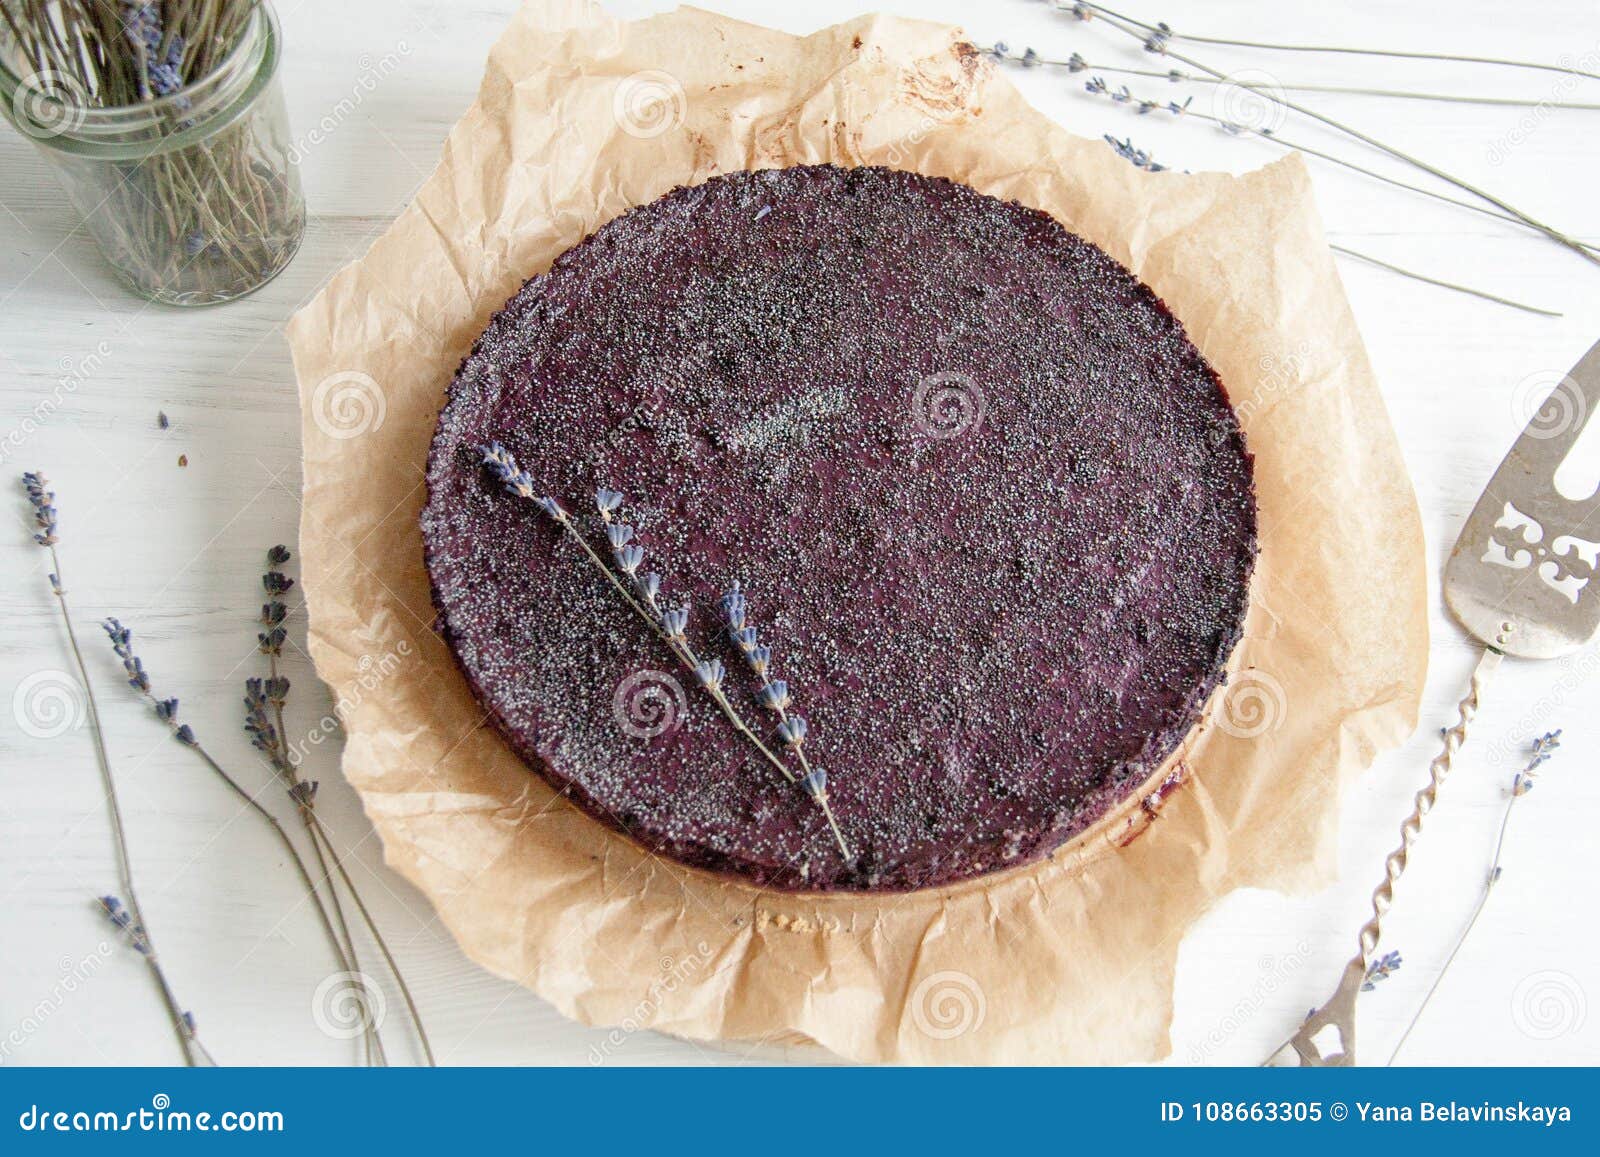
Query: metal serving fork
[[1519, 579]]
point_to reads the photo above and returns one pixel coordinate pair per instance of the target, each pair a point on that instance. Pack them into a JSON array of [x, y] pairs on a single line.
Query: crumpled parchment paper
[[581, 116]]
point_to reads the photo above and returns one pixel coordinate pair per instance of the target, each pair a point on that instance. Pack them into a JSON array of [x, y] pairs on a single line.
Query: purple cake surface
[[990, 507]]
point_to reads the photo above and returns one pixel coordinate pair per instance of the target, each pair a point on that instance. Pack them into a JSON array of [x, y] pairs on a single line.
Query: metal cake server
[[1521, 579]]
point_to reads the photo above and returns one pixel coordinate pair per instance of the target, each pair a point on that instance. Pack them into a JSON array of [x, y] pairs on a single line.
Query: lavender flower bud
[[775, 695], [793, 730], [760, 658], [122, 920], [711, 673], [619, 536], [744, 638], [733, 606], [816, 784], [674, 622], [44, 511], [605, 501], [629, 558], [515, 482]]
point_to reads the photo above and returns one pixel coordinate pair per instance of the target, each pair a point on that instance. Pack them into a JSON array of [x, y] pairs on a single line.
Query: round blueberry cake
[[962, 522]]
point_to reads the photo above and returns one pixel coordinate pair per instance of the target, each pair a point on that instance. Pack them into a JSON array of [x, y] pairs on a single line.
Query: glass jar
[[194, 197]]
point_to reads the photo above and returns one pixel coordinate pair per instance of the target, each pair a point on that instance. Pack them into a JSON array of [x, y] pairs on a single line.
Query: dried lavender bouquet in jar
[[164, 122]]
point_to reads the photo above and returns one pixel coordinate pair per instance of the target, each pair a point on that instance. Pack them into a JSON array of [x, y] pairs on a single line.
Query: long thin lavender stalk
[[1392, 53], [684, 654], [273, 741], [1543, 748], [42, 499], [302, 793], [260, 699], [775, 696], [1141, 159], [122, 918], [1076, 63], [1481, 294], [1142, 106], [1156, 42], [166, 710], [668, 625]]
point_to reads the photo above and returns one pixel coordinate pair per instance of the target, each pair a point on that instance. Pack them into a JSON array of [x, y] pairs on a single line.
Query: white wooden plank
[[174, 550]]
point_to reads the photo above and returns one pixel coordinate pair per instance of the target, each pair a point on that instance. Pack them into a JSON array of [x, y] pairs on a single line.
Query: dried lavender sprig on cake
[[642, 592], [1158, 43], [1522, 783], [774, 695], [45, 521], [166, 710], [264, 704]]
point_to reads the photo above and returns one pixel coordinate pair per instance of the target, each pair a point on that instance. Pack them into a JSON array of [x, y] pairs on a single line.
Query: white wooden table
[[175, 551]]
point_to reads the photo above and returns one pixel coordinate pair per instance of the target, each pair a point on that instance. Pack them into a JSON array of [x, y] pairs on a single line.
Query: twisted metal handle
[[1438, 770], [1339, 1011]]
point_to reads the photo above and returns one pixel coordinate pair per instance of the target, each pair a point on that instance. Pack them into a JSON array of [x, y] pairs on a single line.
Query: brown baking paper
[[580, 117]]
